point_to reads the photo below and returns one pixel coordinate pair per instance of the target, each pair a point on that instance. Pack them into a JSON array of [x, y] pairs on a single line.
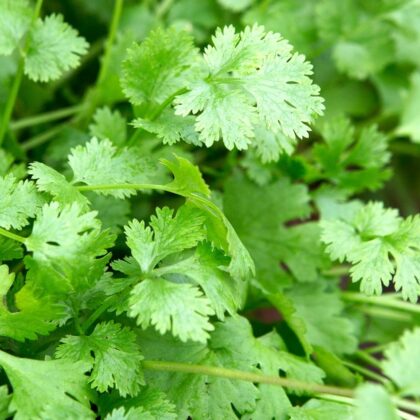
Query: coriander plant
[[208, 209]]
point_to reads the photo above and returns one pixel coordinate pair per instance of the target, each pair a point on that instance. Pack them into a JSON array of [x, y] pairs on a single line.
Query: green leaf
[[258, 215], [401, 363], [161, 65], [69, 249], [409, 124], [109, 125], [167, 234], [381, 247], [15, 18], [232, 345], [321, 316], [208, 269], [63, 382], [5, 398], [19, 202], [34, 316], [352, 162], [179, 308], [101, 163], [50, 181], [149, 401], [253, 79], [112, 354], [54, 47], [321, 410], [373, 401]]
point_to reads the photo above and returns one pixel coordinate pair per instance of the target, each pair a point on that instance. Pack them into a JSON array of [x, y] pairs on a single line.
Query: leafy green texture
[[164, 303], [267, 239], [321, 410], [63, 382], [253, 80], [54, 47], [159, 67], [150, 403], [349, 162], [109, 125], [169, 249], [112, 354], [14, 21], [372, 400], [19, 202], [401, 362], [232, 344], [34, 316], [101, 163], [68, 249], [381, 246]]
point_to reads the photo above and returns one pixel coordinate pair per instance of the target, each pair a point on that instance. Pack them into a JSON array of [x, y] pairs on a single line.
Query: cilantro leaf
[[54, 47], [267, 239], [253, 79], [167, 234], [19, 202], [352, 162], [112, 354], [159, 67], [110, 125], [50, 181], [380, 245], [69, 249], [180, 308], [401, 362], [35, 316], [373, 400], [101, 163], [14, 21], [232, 344], [63, 382]]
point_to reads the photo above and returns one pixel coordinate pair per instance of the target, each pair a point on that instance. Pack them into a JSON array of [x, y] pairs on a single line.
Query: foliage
[[208, 209]]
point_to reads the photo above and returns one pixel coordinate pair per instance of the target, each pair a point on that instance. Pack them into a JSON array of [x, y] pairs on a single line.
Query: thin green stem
[[98, 312], [103, 187], [11, 99], [116, 16], [44, 118], [245, 376], [372, 361], [42, 138], [155, 114], [381, 301], [385, 313], [336, 271], [12, 236], [368, 373]]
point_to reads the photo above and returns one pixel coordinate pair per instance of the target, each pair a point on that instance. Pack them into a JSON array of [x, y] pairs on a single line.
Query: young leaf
[[179, 308], [112, 354], [380, 245], [15, 17], [100, 163], [159, 67], [402, 363], [19, 202], [54, 47], [109, 125], [63, 382], [35, 316], [253, 80]]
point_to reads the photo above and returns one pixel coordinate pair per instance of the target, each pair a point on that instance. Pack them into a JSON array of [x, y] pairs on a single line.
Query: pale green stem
[[381, 301], [44, 118], [12, 236], [245, 376], [11, 99]]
